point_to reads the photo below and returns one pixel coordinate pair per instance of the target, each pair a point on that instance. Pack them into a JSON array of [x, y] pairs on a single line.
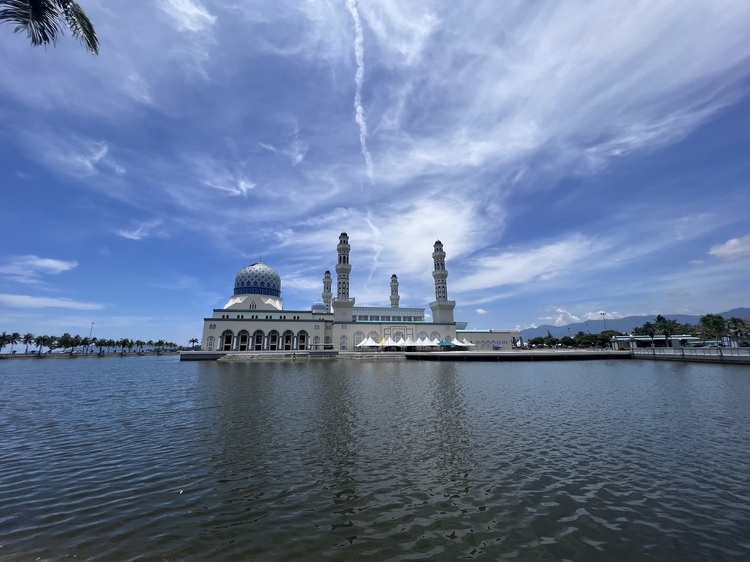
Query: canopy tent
[[459, 343], [467, 342], [409, 342], [369, 342], [446, 342], [426, 342]]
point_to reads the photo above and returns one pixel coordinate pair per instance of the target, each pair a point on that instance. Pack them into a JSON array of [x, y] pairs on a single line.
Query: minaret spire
[[442, 308], [394, 291], [327, 290]]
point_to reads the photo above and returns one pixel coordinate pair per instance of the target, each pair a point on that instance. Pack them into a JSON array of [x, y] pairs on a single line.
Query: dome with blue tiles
[[257, 279]]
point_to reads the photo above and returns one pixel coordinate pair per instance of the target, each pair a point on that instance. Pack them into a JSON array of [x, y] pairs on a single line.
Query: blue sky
[[573, 158]]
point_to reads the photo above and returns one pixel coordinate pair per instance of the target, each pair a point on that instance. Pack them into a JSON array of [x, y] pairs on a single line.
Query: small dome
[[257, 279], [319, 307]]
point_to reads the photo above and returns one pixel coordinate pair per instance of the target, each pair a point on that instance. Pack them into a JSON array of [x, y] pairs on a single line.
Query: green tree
[[193, 342], [13, 339], [737, 327], [27, 339], [665, 326], [713, 325], [45, 20]]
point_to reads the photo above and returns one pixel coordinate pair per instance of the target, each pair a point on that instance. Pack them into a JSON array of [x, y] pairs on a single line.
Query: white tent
[[458, 343], [469, 343], [409, 342], [369, 342], [389, 343]]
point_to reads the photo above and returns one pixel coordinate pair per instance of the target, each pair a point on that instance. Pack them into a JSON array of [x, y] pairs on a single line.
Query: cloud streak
[[359, 78]]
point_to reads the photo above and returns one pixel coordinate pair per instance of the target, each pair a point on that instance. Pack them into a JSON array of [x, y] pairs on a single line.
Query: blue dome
[[257, 279], [319, 307]]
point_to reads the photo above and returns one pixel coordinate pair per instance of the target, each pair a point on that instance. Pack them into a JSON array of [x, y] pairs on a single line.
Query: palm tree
[[13, 339], [193, 342], [45, 20], [736, 326], [27, 339]]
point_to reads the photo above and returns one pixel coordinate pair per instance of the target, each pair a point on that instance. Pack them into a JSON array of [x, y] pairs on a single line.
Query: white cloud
[[480, 311], [140, 231], [188, 15], [732, 249], [561, 317], [359, 111], [28, 301], [29, 269]]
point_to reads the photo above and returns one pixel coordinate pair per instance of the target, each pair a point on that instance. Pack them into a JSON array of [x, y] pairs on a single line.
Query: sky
[[573, 157]]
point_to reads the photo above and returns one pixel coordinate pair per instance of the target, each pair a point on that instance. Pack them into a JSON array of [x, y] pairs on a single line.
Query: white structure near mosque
[[254, 318]]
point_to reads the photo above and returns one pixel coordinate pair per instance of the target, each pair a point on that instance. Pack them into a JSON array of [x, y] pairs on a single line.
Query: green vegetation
[[45, 20], [709, 327], [70, 344]]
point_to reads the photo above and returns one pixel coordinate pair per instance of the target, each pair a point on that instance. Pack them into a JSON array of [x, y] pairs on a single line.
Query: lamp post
[[91, 330], [604, 317]]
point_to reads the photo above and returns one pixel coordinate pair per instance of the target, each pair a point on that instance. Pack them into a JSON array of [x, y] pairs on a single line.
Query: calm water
[[152, 458]]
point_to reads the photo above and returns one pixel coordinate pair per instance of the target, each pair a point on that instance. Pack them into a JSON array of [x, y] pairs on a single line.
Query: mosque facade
[[254, 318]]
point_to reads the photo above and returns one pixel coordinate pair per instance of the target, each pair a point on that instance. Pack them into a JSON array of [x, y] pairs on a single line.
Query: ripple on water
[[118, 459]]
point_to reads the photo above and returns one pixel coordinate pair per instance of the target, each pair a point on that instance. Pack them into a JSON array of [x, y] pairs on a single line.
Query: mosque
[[254, 318]]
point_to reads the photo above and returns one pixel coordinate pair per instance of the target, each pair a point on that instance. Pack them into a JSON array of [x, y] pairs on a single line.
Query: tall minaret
[[342, 305], [442, 308], [343, 268], [327, 290], [439, 273], [394, 291]]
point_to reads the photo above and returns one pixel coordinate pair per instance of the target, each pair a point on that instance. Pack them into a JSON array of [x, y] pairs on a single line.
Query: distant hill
[[620, 324]]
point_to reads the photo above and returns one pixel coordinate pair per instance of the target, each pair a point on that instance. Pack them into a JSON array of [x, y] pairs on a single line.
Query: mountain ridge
[[625, 325]]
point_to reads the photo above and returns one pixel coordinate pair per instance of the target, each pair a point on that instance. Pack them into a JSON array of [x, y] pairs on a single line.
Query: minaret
[[327, 290], [342, 305], [442, 308], [343, 268], [394, 291]]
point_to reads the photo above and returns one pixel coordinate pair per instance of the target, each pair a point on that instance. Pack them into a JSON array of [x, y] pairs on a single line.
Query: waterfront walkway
[[733, 355]]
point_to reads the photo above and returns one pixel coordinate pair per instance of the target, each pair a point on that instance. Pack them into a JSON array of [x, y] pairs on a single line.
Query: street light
[[604, 317]]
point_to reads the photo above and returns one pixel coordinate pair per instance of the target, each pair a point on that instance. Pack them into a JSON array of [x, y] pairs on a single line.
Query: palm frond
[[80, 24], [44, 21]]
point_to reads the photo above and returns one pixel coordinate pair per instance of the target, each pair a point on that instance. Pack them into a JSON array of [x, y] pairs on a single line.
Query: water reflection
[[345, 460]]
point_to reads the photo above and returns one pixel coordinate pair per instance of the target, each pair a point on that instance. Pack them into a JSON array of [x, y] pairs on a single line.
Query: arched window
[[273, 340], [358, 337], [210, 343], [302, 340], [226, 340], [342, 343], [243, 339], [374, 335], [435, 336], [258, 340], [398, 336], [316, 342], [422, 335], [286, 340]]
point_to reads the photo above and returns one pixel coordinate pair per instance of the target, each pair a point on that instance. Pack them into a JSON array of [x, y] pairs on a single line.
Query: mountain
[[625, 325]]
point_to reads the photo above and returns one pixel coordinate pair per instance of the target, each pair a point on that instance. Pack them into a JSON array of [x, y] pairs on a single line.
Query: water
[[149, 458]]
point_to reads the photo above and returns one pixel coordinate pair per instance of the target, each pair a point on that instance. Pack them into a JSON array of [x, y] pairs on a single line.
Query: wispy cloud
[[30, 269], [359, 78], [188, 15], [141, 230], [28, 301]]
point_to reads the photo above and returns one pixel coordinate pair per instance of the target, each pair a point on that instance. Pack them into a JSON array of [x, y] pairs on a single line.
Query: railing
[[719, 353]]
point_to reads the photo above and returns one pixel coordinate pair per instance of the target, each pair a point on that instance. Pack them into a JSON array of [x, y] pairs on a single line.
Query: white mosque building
[[254, 318]]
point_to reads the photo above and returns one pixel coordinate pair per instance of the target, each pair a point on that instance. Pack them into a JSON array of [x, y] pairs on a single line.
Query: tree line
[[77, 344], [709, 327]]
